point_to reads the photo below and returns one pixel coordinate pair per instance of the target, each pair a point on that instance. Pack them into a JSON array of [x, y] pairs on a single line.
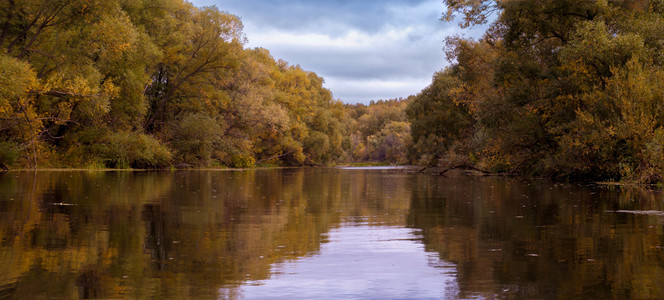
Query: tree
[[205, 49], [437, 121], [18, 119], [379, 132], [554, 87]]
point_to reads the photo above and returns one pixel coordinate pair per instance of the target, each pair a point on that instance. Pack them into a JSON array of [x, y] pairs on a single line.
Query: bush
[[135, 150], [8, 153], [317, 146], [195, 138], [98, 147], [241, 161]]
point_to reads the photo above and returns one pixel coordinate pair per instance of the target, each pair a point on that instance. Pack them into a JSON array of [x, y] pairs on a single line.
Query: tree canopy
[[152, 83], [567, 89]]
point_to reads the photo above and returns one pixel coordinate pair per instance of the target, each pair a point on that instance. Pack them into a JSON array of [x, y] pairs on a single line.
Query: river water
[[318, 233]]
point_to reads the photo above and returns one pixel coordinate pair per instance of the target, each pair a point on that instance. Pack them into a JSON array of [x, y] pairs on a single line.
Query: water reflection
[[533, 240], [363, 233], [361, 261]]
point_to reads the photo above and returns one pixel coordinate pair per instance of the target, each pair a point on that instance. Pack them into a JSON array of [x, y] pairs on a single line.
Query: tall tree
[[552, 87]]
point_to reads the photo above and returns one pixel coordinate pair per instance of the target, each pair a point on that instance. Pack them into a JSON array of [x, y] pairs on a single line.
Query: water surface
[[326, 234]]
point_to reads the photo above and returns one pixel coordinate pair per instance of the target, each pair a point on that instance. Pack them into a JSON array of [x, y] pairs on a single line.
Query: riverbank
[[433, 171], [340, 166]]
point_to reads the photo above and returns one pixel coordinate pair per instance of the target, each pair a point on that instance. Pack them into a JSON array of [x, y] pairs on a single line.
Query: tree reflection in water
[[206, 234]]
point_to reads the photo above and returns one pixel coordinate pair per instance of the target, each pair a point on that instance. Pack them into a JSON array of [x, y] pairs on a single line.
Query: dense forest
[[378, 132], [159, 83], [556, 88]]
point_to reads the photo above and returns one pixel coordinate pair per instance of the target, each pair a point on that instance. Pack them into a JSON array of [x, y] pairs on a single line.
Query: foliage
[[101, 148], [134, 150], [568, 89], [128, 83], [8, 153], [391, 143], [18, 126], [241, 161], [195, 137], [437, 120], [378, 132]]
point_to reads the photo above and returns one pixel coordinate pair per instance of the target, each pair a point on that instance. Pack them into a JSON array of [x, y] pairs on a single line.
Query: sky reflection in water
[[361, 261], [324, 233]]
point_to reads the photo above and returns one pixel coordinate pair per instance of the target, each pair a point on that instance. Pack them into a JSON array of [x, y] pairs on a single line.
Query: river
[[324, 233]]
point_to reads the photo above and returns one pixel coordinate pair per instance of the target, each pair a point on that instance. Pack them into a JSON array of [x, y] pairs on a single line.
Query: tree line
[[158, 83], [564, 89], [557, 88]]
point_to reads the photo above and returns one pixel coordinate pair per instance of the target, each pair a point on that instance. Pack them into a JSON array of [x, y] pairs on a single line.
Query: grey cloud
[[365, 91], [417, 55], [370, 63], [332, 16], [393, 67]]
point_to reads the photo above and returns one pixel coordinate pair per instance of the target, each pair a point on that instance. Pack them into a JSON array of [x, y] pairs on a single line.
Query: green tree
[[559, 88], [437, 120]]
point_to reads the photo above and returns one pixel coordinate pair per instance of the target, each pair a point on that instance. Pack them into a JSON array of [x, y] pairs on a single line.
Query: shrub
[[195, 138], [8, 153], [135, 150], [241, 161]]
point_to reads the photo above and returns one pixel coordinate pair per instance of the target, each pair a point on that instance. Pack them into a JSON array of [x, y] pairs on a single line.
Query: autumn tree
[[379, 132], [559, 88], [152, 83]]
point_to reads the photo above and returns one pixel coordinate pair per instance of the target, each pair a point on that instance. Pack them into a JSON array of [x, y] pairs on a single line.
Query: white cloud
[[365, 50], [354, 91], [359, 66]]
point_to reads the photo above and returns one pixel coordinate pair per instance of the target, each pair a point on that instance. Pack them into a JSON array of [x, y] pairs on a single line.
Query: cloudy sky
[[364, 49]]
